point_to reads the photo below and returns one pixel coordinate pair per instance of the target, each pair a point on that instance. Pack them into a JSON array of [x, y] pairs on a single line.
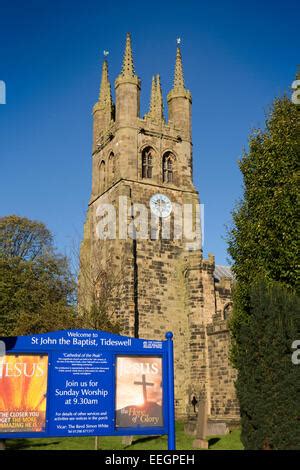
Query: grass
[[230, 441]]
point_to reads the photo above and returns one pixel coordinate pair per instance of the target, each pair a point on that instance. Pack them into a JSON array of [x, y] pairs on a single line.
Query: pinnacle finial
[[178, 76], [128, 67], [152, 99], [159, 100], [105, 99], [156, 100]]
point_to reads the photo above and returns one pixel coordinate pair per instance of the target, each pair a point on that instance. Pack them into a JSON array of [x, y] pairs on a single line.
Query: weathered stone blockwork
[[223, 403], [165, 283]]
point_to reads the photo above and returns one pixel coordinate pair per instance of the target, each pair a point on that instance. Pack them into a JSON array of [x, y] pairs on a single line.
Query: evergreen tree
[[263, 244], [268, 384]]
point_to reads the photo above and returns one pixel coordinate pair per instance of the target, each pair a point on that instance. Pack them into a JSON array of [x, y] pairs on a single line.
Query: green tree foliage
[[49, 317], [95, 317], [23, 238], [266, 224], [26, 287], [268, 384], [37, 288], [36, 284], [263, 244]]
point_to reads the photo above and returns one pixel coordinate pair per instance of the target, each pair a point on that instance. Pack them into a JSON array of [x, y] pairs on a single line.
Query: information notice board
[[85, 383]]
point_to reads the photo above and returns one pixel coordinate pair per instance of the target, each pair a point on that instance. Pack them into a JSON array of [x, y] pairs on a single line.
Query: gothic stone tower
[[165, 283]]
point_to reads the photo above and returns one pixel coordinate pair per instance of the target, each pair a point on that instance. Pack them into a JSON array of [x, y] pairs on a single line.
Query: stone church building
[[166, 284]]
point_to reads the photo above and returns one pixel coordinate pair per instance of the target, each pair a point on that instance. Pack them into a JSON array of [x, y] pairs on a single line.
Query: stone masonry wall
[[164, 284], [223, 401]]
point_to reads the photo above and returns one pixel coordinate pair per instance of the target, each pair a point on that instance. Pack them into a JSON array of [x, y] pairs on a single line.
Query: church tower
[[142, 180]]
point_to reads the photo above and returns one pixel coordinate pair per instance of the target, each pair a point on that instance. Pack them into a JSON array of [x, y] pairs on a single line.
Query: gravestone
[[127, 440], [219, 429], [201, 429]]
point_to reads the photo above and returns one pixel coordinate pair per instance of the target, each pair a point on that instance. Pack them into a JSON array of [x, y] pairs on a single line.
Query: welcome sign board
[[85, 383]]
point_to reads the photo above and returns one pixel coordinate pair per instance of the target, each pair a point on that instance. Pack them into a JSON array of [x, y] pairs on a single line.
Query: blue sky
[[238, 55]]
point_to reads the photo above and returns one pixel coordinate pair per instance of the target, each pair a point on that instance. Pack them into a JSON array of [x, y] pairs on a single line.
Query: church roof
[[223, 271]]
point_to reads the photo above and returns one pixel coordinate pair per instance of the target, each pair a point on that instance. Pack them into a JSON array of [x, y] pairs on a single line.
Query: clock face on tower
[[160, 205]]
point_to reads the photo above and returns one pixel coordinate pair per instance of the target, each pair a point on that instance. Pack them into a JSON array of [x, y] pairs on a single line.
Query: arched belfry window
[[168, 167], [147, 162], [102, 176]]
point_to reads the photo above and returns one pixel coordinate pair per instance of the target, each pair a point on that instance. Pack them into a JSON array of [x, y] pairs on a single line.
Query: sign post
[[171, 408], [86, 383]]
